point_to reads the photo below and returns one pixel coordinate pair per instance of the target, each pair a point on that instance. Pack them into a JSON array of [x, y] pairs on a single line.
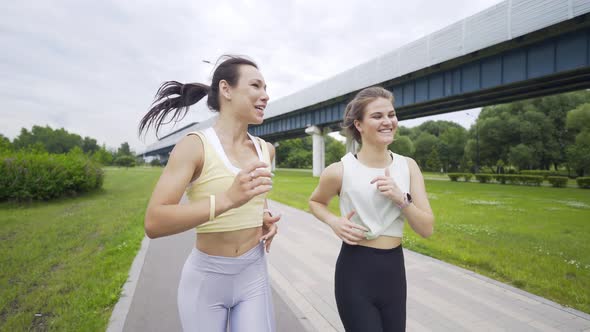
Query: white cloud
[[93, 67]]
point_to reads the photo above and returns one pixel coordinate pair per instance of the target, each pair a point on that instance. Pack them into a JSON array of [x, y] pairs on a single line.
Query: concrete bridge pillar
[[274, 160], [319, 149]]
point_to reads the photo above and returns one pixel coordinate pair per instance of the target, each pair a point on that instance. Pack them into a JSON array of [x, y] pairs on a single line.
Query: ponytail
[[186, 95]]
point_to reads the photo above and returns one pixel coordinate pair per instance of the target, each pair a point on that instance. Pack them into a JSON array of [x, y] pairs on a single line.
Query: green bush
[[454, 176], [467, 176], [543, 173], [501, 178], [483, 178], [557, 181], [156, 162], [583, 182], [26, 176], [125, 161], [531, 180]]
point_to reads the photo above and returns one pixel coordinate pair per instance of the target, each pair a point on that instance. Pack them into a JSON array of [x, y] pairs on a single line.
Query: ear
[[224, 89], [357, 125]]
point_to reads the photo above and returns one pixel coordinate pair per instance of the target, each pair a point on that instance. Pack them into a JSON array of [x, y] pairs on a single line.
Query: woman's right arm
[[328, 187], [165, 216]]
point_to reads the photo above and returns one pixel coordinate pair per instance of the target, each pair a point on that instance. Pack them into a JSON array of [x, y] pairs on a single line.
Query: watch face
[[409, 197]]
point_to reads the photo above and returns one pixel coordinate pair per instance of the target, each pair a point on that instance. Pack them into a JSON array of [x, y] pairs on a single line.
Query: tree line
[[60, 141]]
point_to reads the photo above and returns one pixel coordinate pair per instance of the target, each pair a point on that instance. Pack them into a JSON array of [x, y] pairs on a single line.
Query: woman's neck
[[374, 156], [231, 129]]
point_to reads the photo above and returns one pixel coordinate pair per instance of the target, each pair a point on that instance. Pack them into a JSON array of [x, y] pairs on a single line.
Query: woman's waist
[[229, 244], [382, 242]]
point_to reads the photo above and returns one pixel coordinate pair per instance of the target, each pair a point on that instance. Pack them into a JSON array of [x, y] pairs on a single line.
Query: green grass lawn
[[534, 238], [64, 262]]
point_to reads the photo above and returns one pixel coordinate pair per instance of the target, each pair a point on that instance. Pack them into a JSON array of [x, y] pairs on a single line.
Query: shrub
[[454, 176], [125, 161], [583, 182], [26, 176], [532, 180], [483, 178], [467, 176], [501, 178], [557, 181]]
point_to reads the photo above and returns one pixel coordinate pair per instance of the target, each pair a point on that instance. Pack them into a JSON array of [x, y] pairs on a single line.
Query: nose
[[265, 96]]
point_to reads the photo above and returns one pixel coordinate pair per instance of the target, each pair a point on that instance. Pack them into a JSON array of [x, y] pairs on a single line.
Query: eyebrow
[[379, 112]]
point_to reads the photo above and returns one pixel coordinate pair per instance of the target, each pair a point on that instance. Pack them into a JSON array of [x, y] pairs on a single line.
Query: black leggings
[[370, 286]]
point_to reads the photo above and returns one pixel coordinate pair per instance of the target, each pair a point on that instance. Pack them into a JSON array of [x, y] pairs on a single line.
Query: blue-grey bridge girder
[[550, 60]]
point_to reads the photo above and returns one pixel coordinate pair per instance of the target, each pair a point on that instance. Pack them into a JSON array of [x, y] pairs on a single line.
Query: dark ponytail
[[176, 97], [163, 105]]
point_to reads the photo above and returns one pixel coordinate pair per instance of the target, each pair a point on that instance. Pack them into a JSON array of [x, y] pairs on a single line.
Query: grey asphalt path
[[441, 297], [148, 302]]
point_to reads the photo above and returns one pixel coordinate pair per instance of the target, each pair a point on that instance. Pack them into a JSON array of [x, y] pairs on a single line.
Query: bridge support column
[[318, 149], [274, 160]]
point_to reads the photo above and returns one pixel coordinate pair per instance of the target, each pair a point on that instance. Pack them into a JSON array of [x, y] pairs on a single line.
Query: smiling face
[[248, 97], [379, 122]]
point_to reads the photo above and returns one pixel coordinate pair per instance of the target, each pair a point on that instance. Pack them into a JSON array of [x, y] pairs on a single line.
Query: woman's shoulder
[[333, 170], [189, 148]]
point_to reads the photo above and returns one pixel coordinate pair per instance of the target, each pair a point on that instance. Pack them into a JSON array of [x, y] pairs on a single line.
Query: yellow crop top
[[216, 177]]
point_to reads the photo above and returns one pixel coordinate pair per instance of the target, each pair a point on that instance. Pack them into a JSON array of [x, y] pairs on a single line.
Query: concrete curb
[[119, 314]]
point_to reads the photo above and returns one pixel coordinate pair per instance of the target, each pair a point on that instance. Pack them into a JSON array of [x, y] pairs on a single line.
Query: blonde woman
[[378, 190]]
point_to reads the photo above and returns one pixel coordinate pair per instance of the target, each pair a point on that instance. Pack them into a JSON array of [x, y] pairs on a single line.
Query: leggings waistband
[[225, 265]]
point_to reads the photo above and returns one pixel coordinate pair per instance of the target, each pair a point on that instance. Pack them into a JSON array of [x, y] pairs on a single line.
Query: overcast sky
[[92, 67]]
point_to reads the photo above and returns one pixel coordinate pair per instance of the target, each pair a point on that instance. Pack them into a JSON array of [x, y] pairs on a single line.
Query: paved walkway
[[441, 297]]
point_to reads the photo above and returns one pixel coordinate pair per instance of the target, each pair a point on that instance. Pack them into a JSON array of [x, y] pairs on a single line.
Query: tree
[[452, 147], [334, 150], [578, 154], [124, 150], [103, 156], [424, 144], [521, 156], [295, 153], [5, 145], [403, 145], [578, 119], [89, 145], [433, 162], [125, 161]]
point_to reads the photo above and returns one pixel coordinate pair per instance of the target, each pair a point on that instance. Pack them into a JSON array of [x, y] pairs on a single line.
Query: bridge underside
[[548, 61]]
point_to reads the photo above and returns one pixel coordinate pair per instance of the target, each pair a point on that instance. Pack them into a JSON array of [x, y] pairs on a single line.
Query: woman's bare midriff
[[229, 244], [382, 242]]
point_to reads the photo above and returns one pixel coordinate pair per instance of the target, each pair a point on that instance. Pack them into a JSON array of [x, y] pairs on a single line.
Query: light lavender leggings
[[214, 287]]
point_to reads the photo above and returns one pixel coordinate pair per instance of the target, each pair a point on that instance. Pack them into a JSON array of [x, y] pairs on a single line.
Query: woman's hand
[[348, 231], [387, 186], [269, 229], [250, 182]]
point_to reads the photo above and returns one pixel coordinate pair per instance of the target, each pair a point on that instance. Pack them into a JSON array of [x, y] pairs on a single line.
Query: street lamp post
[[476, 143]]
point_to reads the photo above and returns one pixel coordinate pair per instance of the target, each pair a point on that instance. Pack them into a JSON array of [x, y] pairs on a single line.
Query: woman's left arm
[[269, 229], [419, 213]]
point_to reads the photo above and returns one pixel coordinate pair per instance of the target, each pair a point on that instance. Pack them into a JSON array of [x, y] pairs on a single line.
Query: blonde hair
[[355, 110]]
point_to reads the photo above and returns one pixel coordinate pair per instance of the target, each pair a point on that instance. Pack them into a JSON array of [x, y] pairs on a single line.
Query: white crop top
[[373, 210]]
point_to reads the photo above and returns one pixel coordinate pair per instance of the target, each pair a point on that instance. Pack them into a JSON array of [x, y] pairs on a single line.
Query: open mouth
[[386, 131], [260, 108]]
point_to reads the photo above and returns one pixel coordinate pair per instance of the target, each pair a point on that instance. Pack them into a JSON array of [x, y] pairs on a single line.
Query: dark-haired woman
[[378, 189], [224, 172]]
